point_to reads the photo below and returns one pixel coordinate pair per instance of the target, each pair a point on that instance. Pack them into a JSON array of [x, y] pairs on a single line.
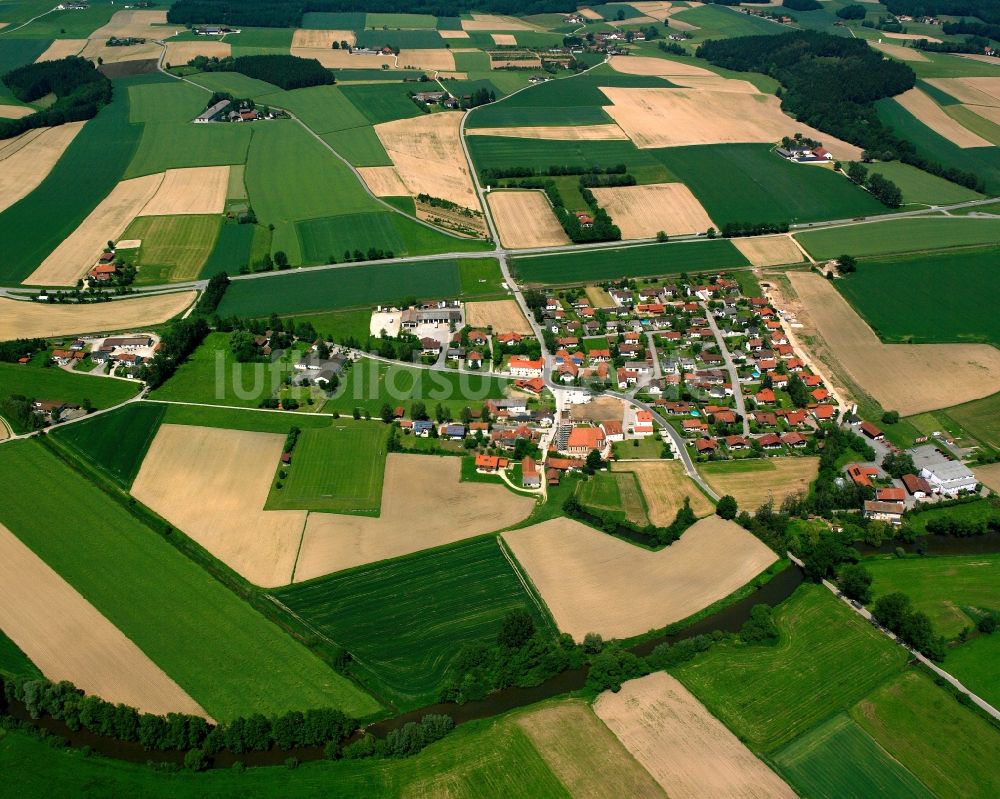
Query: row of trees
[[492, 174], [177, 343], [732, 230], [884, 190]]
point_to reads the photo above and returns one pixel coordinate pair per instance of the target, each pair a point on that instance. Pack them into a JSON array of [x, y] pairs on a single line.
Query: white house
[[523, 367], [949, 477]]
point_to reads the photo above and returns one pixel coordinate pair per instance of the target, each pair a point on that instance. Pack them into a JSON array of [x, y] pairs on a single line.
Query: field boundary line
[[302, 537], [528, 585]]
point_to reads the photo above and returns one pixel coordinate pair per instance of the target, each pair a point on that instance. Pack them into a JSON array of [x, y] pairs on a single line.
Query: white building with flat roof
[[949, 477]]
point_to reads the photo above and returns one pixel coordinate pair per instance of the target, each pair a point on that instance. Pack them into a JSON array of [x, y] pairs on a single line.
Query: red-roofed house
[[890, 494], [584, 439], [523, 367]]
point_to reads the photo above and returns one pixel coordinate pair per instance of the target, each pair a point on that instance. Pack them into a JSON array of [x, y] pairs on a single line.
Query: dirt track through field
[[38, 320], [688, 751], [556, 132], [503, 315], [423, 505], [321, 39], [584, 754], [665, 486], [69, 639], [642, 211], [196, 190], [79, 251], [677, 117], [782, 478], [525, 219], [62, 48], [768, 250], [26, 161], [179, 53], [427, 153], [934, 117], [383, 181], [212, 483], [593, 582], [909, 378]]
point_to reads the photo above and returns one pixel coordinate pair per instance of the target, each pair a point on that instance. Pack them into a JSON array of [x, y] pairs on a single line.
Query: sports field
[[405, 620], [947, 746], [753, 482], [115, 443], [838, 759], [727, 180], [173, 247], [614, 492], [639, 261], [916, 300], [827, 659], [337, 469], [161, 599], [941, 586]]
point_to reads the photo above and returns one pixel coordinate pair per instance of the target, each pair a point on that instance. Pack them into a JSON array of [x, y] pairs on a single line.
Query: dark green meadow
[[115, 443], [382, 102], [640, 261], [13, 662], [929, 298], [231, 252], [405, 620], [749, 183]]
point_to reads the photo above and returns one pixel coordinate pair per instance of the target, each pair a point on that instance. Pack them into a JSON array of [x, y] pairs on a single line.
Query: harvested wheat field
[[195, 190], [642, 211], [753, 482], [27, 160], [715, 83], [5, 431], [899, 51], [383, 181], [15, 111], [98, 48], [990, 112], [908, 36], [453, 34], [609, 132], [666, 485], [650, 66], [504, 316], [602, 409], [427, 153], [181, 52], [493, 22], [676, 117], [62, 48], [505, 39], [972, 91], [417, 488], [79, 251], [934, 117], [769, 250], [584, 754], [657, 10], [525, 219], [589, 13], [39, 320], [433, 59], [989, 475], [593, 582], [212, 483], [906, 377], [69, 639], [688, 751], [344, 59], [321, 39], [135, 24]]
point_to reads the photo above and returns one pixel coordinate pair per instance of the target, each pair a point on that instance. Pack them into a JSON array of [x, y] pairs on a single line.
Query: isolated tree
[[727, 507], [890, 417], [593, 643], [847, 264], [516, 629], [857, 172], [856, 582], [594, 461], [418, 411], [386, 413], [357, 413], [281, 259]]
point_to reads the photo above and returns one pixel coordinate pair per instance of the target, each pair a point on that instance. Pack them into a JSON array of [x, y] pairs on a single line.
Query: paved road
[[734, 377], [657, 366]]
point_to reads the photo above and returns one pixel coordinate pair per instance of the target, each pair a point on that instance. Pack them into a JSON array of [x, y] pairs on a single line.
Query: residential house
[[613, 430], [891, 512], [530, 478], [488, 464], [584, 439], [873, 432], [524, 367], [917, 486]]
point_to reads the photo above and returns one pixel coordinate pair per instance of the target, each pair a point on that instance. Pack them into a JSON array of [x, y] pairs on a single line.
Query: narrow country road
[[734, 377]]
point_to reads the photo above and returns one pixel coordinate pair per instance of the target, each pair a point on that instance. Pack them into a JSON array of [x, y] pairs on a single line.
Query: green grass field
[[337, 469], [53, 384], [405, 620], [231, 251], [403, 39], [617, 492], [333, 21], [360, 146], [115, 443], [922, 187], [749, 183], [173, 247], [967, 511], [900, 236], [13, 662], [322, 108], [838, 759], [640, 261], [252, 420], [382, 102], [942, 586], [976, 664], [926, 299], [173, 101], [63, 24], [827, 659], [410, 21], [482, 759], [351, 287], [981, 418], [947, 746], [370, 384], [235, 83], [222, 652], [172, 145], [717, 22]]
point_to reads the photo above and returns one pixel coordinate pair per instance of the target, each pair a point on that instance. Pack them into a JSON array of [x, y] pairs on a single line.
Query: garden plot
[[179, 53], [905, 377], [321, 39], [69, 639], [503, 316], [525, 219], [609, 132], [39, 320], [665, 485], [27, 160], [383, 181], [79, 251], [769, 250], [642, 211], [62, 48], [688, 751], [423, 506], [427, 153], [212, 484], [934, 117], [196, 190], [677, 117], [594, 582]]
